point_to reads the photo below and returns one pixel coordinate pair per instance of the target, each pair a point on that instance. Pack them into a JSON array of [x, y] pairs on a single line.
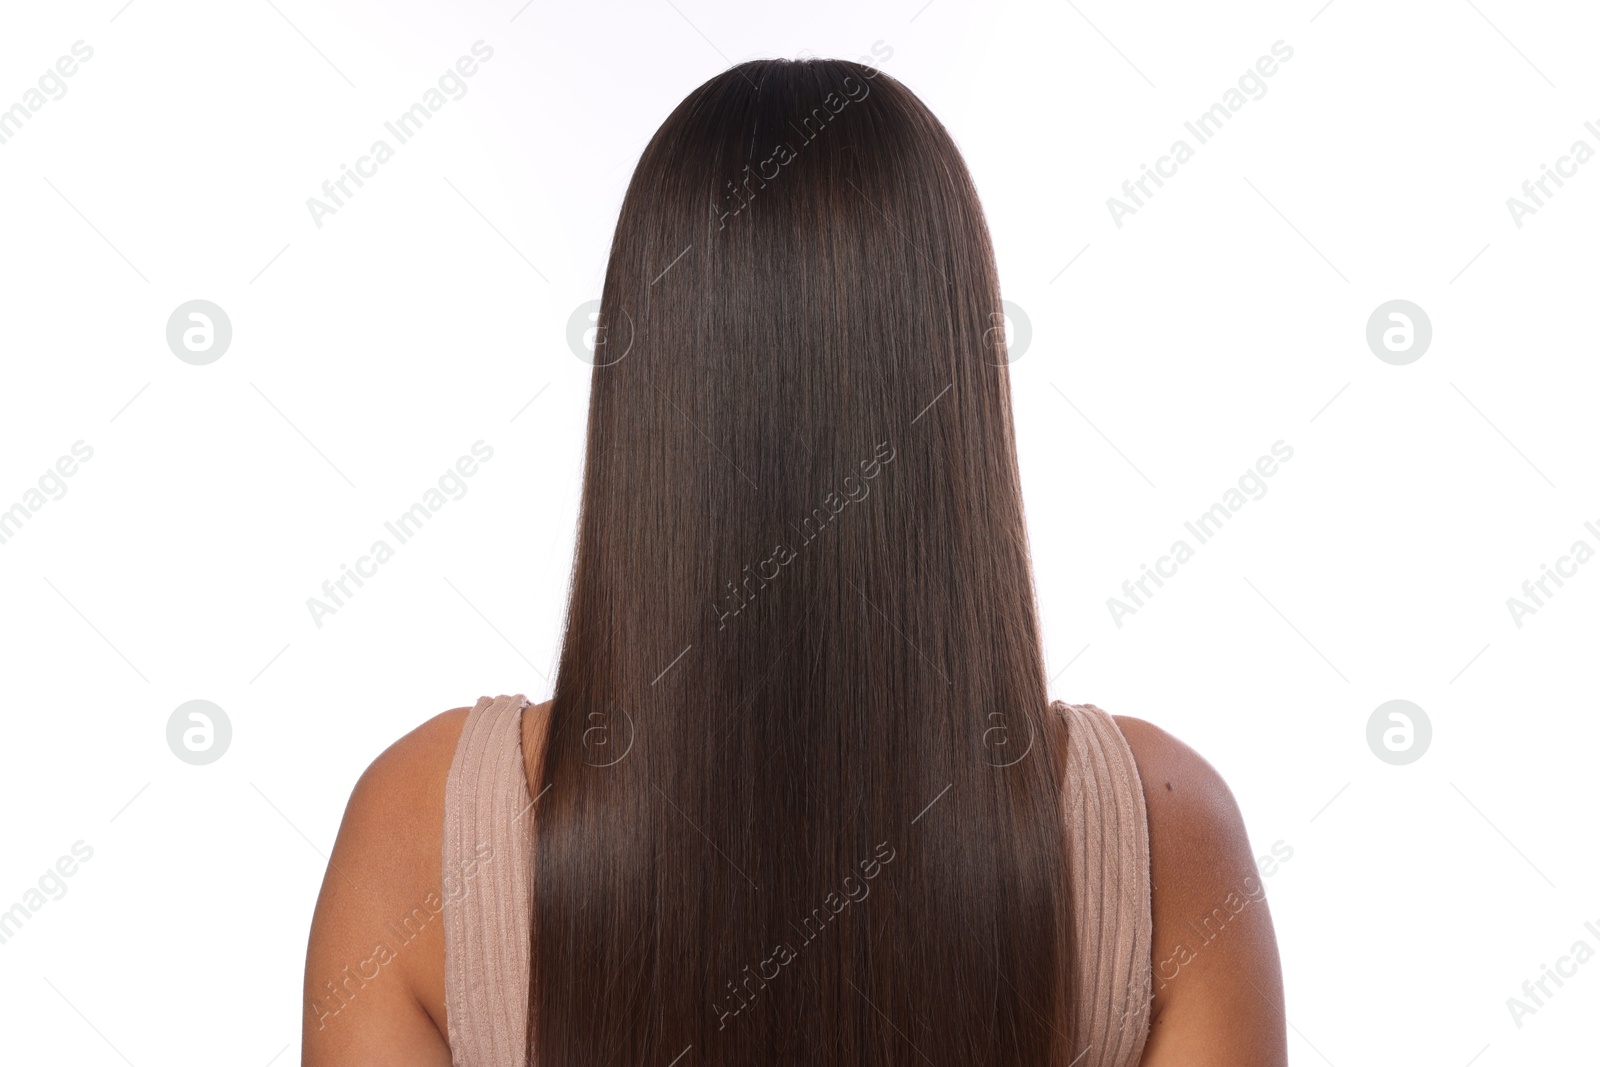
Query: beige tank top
[[488, 900]]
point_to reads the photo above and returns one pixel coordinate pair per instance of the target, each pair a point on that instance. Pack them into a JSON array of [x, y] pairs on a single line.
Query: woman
[[800, 796]]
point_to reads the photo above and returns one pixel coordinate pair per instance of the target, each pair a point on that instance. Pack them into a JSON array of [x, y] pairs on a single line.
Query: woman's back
[[381, 978]]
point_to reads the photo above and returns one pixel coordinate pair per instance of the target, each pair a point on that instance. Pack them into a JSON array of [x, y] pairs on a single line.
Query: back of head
[[804, 788]]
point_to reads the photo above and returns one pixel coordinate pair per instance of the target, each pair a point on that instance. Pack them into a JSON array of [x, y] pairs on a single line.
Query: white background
[[369, 353]]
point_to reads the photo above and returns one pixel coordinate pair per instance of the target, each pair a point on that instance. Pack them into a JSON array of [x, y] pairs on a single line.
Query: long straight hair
[[801, 797]]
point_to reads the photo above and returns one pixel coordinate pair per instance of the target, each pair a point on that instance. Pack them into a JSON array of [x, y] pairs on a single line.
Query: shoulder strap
[[484, 881], [1108, 850]]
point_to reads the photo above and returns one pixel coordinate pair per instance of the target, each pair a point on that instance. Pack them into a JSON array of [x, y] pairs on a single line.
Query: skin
[[1222, 1007]]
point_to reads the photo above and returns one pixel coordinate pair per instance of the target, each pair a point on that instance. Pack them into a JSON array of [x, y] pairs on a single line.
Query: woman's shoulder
[[375, 962], [375, 965], [1217, 986]]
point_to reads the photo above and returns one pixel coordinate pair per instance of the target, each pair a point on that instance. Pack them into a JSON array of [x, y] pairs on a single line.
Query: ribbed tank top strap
[[487, 896], [1108, 849]]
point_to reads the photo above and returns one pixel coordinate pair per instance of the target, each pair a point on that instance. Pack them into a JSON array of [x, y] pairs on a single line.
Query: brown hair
[[801, 797]]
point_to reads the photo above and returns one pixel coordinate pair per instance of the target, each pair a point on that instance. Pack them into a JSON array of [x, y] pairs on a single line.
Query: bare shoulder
[[1216, 980], [1188, 802], [374, 981]]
